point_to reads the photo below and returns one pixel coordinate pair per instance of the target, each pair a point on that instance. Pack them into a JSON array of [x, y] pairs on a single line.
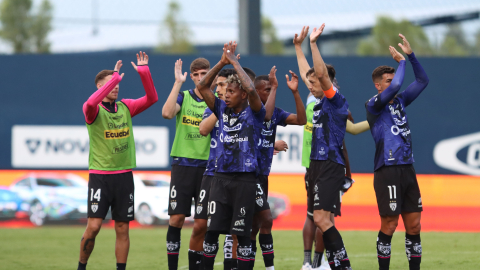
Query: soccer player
[[112, 157], [190, 153], [232, 193], [266, 87], [395, 181]]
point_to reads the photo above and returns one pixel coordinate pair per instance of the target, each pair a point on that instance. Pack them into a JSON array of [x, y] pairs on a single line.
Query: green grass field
[[57, 248]]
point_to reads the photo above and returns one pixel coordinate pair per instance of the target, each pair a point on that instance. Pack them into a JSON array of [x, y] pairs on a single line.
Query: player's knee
[[177, 221], [199, 229], [94, 228], [121, 228], [267, 224], [389, 226], [414, 229], [322, 221]]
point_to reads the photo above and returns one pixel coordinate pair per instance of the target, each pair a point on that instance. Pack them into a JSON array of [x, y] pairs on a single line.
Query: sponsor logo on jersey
[[240, 222], [308, 127], [267, 132], [94, 208], [117, 117], [234, 128], [213, 143], [191, 121], [234, 138], [203, 106], [120, 148], [318, 125], [396, 130], [113, 125], [267, 144], [117, 133], [248, 163], [194, 136], [460, 154], [194, 114], [243, 212], [238, 229]]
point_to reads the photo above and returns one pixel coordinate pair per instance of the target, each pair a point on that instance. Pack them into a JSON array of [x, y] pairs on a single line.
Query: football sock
[[173, 247], [413, 248], [195, 259], [307, 257], [121, 266], [82, 266], [227, 264], [336, 252], [317, 259], [384, 250], [253, 254], [244, 250], [228, 252], [210, 249], [266, 244]]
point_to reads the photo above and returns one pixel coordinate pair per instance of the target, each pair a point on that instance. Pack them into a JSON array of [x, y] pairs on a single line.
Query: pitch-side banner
[[290, 161], [67, 146]]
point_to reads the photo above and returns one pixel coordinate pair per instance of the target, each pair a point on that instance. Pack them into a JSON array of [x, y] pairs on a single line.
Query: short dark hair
[[250, 73], [260, 79], [102, 74], [227, 72], [198, 64], [310, 72], [379, 71], [330, 69]]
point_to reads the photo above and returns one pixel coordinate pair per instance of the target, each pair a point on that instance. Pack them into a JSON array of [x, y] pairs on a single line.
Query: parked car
[[10, 203], [151, 199], [52, 196]]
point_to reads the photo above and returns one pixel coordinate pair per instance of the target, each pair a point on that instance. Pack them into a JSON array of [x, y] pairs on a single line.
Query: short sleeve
[[338, 100], [282, 117], [180, 98], [219, 107], [260, 115], [207, 113]]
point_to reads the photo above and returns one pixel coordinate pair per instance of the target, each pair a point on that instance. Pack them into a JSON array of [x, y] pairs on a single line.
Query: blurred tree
[[476, 48], [178, 32], [385, 33], [455, 43], [25, 31], [271, 44]]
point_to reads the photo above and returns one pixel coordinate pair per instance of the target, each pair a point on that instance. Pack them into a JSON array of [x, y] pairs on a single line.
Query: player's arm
[[270, 104], [421, 78], [90, 107], [171, 107], [319, 65], [303, 65], [280, 146], [357, 128], [301, 117], [377, 103], [348, 172], [136, 106], [208, 123]]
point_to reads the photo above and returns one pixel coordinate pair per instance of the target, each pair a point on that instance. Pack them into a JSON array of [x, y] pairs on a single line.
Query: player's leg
[[265, 238], [253, 236], [175, 225], [122, 243], [309, 227], [230, 252], [413, 244], [88, 241]]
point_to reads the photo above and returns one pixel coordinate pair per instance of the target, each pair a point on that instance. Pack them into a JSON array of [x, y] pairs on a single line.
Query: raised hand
[[272, 78], [118, 65], [396, 55], [293, 83], [229, 52], [406, 45], [298, 39], [142, 60], [178, 72], [316, 33]]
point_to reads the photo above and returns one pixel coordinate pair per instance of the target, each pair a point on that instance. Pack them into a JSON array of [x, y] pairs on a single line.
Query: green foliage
[[385, 33], [26, 32], [271, 44], [178, 33], [455, 43]]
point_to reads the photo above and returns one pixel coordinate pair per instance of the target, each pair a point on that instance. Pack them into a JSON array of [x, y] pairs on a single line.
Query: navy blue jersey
[[238, 137], [388, 121], [267, 139], [329, 124], [213, 144]]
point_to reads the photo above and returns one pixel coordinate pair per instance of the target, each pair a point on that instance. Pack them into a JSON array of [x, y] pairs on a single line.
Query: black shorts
[[328, 178], [261, 196], [201, 209], [397, 190], [111, 190], [309, 188], [231, 204], [184, 185]]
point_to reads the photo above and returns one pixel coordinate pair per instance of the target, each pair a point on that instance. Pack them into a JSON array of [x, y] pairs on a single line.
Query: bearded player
[[112, 157]]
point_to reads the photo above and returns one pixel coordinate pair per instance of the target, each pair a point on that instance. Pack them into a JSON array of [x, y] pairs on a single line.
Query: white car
[[151, 199]]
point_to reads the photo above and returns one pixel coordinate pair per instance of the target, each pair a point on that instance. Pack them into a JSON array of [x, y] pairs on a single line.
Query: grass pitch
[[58, 247]]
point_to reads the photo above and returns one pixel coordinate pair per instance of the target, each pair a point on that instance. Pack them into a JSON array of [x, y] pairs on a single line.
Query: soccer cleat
[[306, 266], [323, 266]]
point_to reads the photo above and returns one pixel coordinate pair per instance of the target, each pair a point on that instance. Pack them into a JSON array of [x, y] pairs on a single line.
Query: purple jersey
[[238, 137], [213, 144], [388, 121], [267, 139], [329, 125]]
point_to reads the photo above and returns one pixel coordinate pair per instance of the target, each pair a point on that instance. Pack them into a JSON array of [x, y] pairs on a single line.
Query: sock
[[336, 252], [307, 257], [173, 247], [234, 264], [244, 250], [228, 252], [384, 250], [121, 266], [82, 266], [266, 244], [195, 259], [210, 249], [317, 259], [253, 254], [413, 248]]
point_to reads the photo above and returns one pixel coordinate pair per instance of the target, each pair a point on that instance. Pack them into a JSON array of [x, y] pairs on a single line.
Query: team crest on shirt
[[199, 209], [322, 151], [260, 202], [94, 208], [173, 205], [225, 118], [232, 121], [393, 206], [268, 124]]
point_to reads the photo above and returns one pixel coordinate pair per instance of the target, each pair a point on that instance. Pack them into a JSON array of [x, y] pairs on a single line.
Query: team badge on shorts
[[259, 202], [243, 212], [393, 206], [199, 209], [173, 205], [94, 208]]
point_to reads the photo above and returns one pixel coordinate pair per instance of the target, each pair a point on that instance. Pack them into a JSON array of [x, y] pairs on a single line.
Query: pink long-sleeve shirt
[[135, 106]]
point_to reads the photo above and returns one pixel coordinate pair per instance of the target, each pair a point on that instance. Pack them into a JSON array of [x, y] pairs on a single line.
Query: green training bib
[[307, 136]]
